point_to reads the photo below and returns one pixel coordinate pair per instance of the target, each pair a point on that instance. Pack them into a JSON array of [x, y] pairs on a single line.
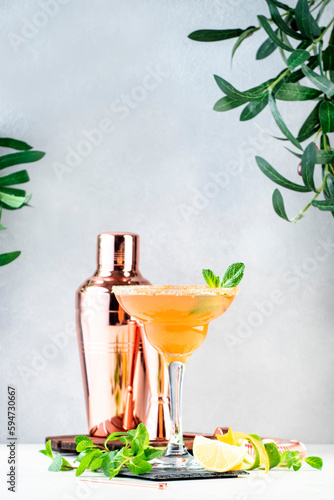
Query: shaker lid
[[119, 251]]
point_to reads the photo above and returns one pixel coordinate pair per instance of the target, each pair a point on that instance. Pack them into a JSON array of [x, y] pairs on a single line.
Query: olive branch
[[299, 37]]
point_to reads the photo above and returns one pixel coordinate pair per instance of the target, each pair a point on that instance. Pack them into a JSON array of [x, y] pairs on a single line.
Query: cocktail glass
[[176, 320]]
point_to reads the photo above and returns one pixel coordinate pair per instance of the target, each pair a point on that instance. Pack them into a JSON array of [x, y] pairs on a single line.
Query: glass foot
[[185, 461]]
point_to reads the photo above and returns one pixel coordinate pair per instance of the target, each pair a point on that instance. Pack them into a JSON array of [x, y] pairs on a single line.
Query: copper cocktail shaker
[[124, 377]]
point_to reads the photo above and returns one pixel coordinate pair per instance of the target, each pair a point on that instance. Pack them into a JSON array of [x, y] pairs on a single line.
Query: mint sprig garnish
[[292, 460], [315, 462], [232, 276], [136, 454], [210, 277]]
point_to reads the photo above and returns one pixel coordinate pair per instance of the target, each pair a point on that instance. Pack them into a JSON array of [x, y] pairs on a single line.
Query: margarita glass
[[176, 320]]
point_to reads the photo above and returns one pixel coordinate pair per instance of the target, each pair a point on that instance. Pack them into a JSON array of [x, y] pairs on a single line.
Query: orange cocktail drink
[[176, 320]]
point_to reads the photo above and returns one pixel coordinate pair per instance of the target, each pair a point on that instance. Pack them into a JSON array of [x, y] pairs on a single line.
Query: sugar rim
[[190, 290]]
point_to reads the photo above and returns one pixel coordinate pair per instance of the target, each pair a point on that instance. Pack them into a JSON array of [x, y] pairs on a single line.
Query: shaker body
[[111, 355], [125, 379]]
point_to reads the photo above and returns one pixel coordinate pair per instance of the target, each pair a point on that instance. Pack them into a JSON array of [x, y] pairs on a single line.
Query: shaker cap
[[118, 251]]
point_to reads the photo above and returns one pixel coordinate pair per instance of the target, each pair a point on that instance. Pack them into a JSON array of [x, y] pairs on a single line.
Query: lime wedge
[[261, 455], [273, 454]]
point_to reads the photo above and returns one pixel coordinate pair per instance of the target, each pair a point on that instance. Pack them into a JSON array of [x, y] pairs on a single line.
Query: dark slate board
[[165, 474]]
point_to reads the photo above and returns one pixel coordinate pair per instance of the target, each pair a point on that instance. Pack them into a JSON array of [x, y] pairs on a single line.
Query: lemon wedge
[[217, 456]]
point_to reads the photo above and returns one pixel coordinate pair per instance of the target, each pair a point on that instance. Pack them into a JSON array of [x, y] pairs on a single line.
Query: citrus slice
[[260, 451], [228, 437], [273, 454], [217, 456]]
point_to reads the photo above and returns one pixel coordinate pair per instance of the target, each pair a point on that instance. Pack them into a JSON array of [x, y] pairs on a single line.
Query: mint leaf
[[210, 277], [112, 473], [85, 462], [233, 275], [141, 438], [121, 455], [292, 459], [107, 464], [48, 450], [56, 464], [125, 439], [97, 463], [283, 456], [65, 462], [81, 455], [83, 442], [114, 437], [297, 465], [151, 453], [139, 466], [315, 462]]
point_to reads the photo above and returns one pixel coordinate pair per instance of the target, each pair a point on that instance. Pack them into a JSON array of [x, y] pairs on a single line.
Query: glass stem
[[176, 446]]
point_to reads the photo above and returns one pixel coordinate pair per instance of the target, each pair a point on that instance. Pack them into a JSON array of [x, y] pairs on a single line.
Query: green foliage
[[12, 198], [210, 277], [296, 32], [215, 35], [292, 460], [48, 450], [315, 462], [276, 177], [266, 49], [136, 454], [232, 276], [83, 443]]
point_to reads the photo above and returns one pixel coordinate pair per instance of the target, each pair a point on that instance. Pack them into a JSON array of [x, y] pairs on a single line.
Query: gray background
[[267, 365]]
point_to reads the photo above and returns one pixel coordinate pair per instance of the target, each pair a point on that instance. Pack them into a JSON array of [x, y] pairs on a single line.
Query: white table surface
[[35, 482]]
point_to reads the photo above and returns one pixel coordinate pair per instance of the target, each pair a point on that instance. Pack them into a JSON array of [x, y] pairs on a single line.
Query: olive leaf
[[276, 177], [319, 81], [6, 258], [271, 33], [278, 204], [297, 58], [280, 122], [310, 125], [267, 48], [6, 142], [296, 92], [305, 22], [326, 116], [247, 33], [254, 108], [324, 204], [18, 158], [13, 198], [279, 21], [227, 103], [216, 35], [328, 58], [308, 164]]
